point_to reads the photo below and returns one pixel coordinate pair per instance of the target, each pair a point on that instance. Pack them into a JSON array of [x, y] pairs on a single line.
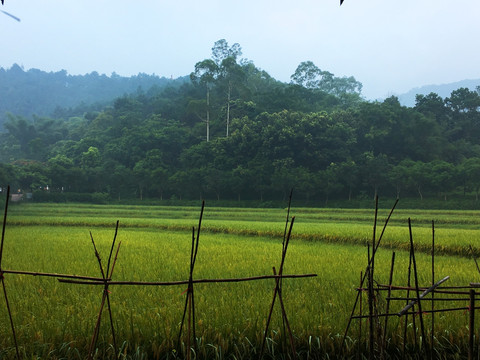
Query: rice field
[[56, 320]]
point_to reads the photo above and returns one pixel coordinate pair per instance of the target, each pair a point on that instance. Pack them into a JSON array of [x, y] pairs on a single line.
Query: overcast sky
[[390, 46]]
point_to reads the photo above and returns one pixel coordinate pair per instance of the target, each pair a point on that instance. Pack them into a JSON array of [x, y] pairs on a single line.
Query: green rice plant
[[56, 320]]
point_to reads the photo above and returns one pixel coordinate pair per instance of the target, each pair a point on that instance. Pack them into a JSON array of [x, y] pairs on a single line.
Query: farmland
[[55, 320]]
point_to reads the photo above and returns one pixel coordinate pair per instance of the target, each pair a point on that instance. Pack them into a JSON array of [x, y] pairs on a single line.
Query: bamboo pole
[[390, 280], [415, 273], [287, 219], [474, 258], [280, 272], [405, 324], [105, 295], [189, 300], [285, 320], [371, 337], [428, 299], [360, 322], [364, 277], [55, 275], [464, 308], [471, 326], [4, 224], [7, 304], [432, 331], [421, 296], [186, 282], [371, 295]]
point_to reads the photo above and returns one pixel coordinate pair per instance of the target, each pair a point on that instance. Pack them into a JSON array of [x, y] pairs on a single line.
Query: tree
[[375, 170], [310, 76], [59, 169], [328, 181], [347, 174], [150, 173], [205, 74], [442, 177], [231, 74], [465, 112], [307, 75], [7, 176], [471, 171], [221, 51]]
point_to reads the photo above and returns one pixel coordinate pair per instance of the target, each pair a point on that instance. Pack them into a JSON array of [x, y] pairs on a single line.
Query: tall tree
[[205, 74], [229, 71]]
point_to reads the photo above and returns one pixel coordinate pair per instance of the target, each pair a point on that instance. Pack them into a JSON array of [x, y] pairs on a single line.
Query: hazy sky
[[390, 46]]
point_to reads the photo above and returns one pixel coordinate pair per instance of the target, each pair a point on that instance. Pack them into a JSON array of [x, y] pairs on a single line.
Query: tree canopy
[[234, 132]]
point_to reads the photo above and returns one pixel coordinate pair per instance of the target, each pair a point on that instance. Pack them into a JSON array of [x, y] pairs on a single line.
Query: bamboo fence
[[106, 281], [414, 305]]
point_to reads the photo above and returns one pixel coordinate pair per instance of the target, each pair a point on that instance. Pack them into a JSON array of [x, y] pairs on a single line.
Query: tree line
[[234, 132]]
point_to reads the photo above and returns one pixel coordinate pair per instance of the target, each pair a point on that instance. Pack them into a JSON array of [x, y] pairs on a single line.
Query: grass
[[56, 320]]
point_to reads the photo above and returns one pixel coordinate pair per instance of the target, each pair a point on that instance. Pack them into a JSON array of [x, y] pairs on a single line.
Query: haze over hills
[[36, 92], [443, 90]]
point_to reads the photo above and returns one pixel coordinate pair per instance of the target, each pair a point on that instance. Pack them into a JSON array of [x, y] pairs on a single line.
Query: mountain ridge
[[443, 90]]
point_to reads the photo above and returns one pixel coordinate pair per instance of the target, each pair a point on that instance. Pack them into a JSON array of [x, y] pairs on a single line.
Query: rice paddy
[[56, 320]]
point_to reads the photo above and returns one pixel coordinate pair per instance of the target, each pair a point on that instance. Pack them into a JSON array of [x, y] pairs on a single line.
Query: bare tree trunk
[[420, 193], [228, 105], [208, 113]]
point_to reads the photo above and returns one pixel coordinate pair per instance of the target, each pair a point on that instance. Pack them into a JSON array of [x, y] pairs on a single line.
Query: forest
[[232, 132]]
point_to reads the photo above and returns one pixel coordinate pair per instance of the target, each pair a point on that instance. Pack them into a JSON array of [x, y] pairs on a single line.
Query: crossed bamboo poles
[[189, 309], [427, 350]]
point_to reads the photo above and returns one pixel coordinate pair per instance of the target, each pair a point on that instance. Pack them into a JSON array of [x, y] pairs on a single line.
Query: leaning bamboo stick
[[285, 320], [432, 331], [417, 291], [105, 295], [14, 335], [390, 280], [421, 296], [190, 299], [280, 272]]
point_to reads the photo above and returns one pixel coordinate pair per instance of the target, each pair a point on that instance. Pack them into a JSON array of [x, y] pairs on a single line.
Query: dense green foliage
[[56, 320], [235, 133]]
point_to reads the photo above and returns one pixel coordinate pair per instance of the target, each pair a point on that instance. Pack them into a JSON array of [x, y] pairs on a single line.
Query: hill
[[443, 90], [35, 92]]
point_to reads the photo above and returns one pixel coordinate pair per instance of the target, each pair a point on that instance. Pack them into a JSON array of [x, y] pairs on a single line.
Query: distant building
[[16, 197]]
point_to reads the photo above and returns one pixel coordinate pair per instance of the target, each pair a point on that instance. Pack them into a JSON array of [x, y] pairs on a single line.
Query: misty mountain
[[443, 90], [36, 92]]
